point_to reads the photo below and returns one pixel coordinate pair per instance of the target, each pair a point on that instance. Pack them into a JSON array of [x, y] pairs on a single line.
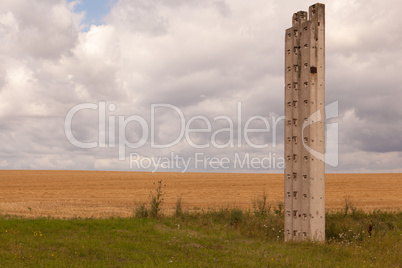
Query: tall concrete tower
[[305, 126]]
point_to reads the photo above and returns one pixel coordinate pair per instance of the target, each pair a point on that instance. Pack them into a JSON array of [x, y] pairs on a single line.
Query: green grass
[[222, 238]]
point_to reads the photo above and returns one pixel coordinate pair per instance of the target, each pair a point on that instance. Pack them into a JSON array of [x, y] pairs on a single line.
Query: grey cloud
[[223, 8], [371, 135]]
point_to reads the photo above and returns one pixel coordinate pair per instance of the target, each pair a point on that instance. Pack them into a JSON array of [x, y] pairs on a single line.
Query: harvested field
[[105, 194]]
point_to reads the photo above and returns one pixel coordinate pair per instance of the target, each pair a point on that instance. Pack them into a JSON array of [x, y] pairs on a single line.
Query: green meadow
[[214, 238]]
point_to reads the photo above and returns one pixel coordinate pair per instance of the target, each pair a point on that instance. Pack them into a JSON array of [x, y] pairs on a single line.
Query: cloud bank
[[203, 58]]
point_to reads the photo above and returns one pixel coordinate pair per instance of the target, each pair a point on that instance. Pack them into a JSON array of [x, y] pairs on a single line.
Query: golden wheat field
[[105, 194]]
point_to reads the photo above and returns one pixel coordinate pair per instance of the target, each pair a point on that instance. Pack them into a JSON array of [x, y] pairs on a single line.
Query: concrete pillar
[[305, 126]]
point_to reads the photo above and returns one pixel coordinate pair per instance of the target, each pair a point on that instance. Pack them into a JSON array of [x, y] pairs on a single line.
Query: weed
[[141, 211], [236, 216], [278, 210], [156, 200], [178, 208], [260, 206], [349, 205]]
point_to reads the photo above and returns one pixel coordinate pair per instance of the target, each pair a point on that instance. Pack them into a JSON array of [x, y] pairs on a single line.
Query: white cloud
[[42, 29]]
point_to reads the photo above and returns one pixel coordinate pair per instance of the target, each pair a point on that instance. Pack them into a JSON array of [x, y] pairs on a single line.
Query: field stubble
[[102, 194]]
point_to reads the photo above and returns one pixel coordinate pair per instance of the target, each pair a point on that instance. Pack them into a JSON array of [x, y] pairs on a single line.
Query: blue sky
[[95, 10]]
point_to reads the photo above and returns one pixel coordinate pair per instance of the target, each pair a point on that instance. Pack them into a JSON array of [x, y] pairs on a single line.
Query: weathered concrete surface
[[305, 126]]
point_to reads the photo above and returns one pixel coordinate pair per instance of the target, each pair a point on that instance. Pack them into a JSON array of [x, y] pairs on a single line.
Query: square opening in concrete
[[313, 69]]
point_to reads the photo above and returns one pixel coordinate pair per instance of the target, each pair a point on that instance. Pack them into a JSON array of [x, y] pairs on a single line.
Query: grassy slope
[[226, 238]]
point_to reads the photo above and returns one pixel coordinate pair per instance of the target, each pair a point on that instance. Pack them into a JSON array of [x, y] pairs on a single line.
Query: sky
[[94, 11], [189, 86]]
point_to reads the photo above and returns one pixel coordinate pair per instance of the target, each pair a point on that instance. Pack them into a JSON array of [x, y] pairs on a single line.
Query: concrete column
[[305, 126]]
